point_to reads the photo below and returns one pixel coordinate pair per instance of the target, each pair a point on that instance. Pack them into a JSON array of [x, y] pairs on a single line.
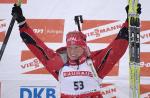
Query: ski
[[8, 33], [134, 49]]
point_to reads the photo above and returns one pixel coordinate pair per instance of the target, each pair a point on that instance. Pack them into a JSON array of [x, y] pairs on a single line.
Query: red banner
[[91, 24], [102, 27], [145, 64], [145, 91], [48, 30], [2, 36], [31, 62], [109, 90], [2, 29], [12, 1]]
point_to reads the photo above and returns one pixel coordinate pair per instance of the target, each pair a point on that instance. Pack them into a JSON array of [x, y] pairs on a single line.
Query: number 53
[[78, 85]]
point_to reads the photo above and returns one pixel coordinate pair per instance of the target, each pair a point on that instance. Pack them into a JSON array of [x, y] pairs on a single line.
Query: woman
[[79, 70]]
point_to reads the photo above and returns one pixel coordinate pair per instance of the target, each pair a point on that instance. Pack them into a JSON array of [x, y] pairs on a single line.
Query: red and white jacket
[[54, 61]]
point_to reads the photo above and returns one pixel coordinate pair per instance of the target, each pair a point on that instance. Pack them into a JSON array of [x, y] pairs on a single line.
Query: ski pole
[[78, 19], [8, 32]]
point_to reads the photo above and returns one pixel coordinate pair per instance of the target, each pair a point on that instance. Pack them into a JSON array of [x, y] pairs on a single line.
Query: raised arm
[[106, 58], [49, 58]]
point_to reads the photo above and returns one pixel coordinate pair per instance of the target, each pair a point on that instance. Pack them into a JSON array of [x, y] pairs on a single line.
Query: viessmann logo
[[145, 64], [104, 31], [30, 64], [145, 91], [101, 31], [12, 1], [48, 30]]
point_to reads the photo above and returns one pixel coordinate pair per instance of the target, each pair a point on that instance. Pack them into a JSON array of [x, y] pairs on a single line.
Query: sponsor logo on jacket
[[77, 73]]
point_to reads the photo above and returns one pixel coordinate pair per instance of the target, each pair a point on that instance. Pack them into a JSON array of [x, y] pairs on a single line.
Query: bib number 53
[[78, 85]]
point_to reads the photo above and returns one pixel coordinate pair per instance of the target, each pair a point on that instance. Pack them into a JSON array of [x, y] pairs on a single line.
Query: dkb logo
[[37, 92]]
